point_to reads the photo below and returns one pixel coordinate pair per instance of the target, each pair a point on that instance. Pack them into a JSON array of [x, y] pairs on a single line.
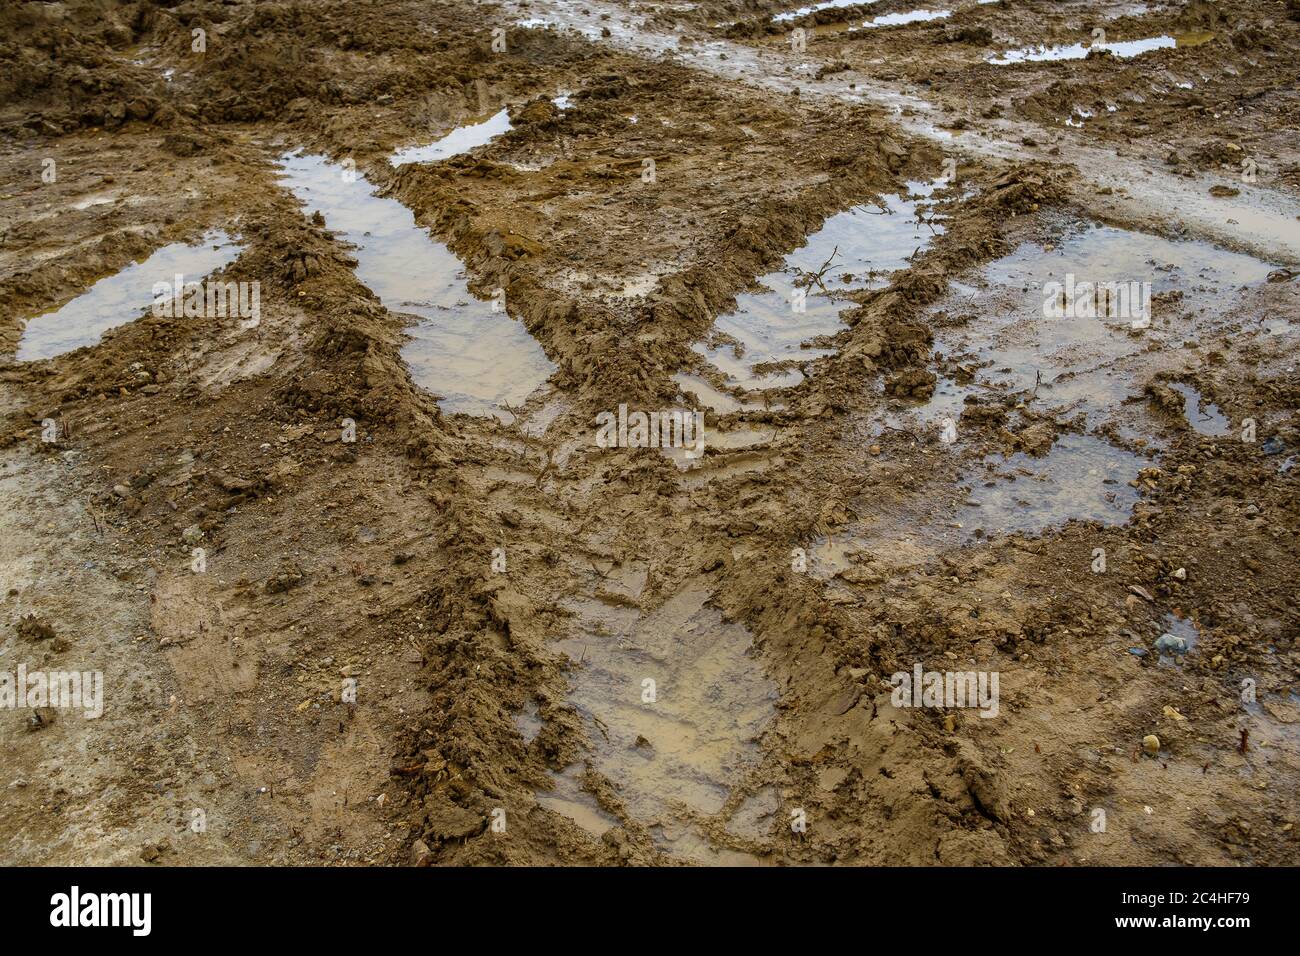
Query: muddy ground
[[424, 636]]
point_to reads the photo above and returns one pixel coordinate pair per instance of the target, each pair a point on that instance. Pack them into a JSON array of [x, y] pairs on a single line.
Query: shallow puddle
[[912, 16], [943, 406], [462, 139], [1071, 358], [855, 249], [674, 702], [714, 399], [1123, 49], [816, 7], [1081, 478], [1204, 417], [528, 722], [569, 799], [124, 296], [475, 358]]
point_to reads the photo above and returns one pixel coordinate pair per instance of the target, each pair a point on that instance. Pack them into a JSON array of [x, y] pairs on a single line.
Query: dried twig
[[809, 278]]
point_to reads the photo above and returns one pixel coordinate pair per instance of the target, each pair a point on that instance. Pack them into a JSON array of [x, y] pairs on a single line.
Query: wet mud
[[988, 322]]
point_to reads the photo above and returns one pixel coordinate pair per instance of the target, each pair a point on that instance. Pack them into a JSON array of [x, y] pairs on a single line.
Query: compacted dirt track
[[364, 584]]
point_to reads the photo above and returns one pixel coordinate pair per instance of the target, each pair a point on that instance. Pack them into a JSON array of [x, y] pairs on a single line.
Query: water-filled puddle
[[1124, 49], [1081, 478], [122, 297], [567, 798], [855, 249], [1067, 356], [816, 7], [674, 703], [1204, 417], [462, 139], [912, 16], [713, 398], [943, 406], [475, 358], [528, 722]]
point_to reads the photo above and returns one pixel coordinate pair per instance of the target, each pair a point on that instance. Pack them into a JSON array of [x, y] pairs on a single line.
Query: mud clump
[[288, 576], [911, 383], [966, 33], [32, 628], [1170, 402]]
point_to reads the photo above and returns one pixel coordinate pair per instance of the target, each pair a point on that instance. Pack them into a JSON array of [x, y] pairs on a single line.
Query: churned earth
[[362, 584]]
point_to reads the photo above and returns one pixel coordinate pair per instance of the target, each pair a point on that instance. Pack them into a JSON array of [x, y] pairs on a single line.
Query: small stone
[[1141, 592], [421, 855], [1170, 644], [1151, 744], [1181, 574]]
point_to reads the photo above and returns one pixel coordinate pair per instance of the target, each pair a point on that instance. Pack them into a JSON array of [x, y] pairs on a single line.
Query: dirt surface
[[340, 623]]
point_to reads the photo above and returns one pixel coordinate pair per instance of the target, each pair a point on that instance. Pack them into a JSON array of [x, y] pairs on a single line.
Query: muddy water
[[1082, 477], [567, 797], [1090, 363], [122, 297], [1125, 49], [943, 406], [674, 702], [460, 140], [900, 19], [712, 398], [996, 329], [475, 358], [1204, 417], [855, 249], [816, 7]]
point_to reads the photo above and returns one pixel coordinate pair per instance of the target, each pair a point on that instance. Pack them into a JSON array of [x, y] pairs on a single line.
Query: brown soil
[[331, 561]]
